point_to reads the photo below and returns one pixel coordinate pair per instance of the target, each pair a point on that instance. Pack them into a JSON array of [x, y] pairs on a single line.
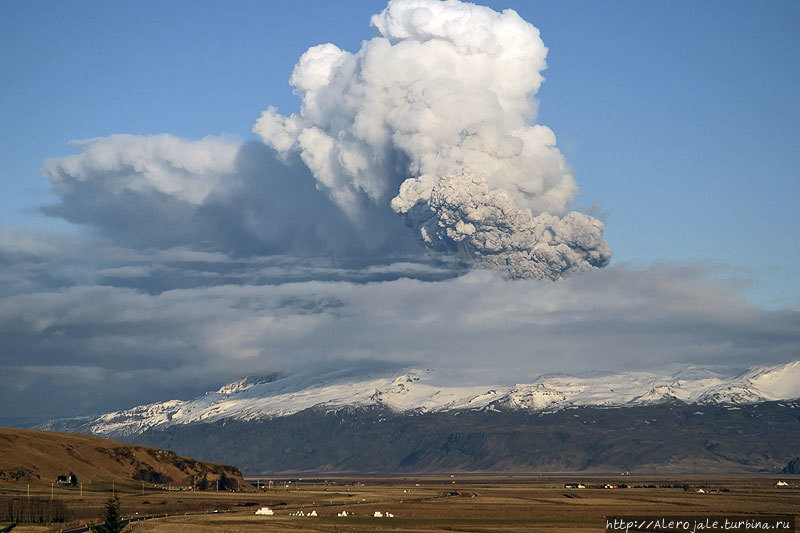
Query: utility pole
[[51, 492], [29, 491], [113, 490], [81, 489]]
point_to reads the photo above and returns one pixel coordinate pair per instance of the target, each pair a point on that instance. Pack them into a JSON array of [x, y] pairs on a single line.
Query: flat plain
[[426, 504]]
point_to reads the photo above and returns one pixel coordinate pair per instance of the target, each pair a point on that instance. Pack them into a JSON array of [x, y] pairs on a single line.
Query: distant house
[[71, 479], [781, 484], [178, 485], [574, 486], [610, 486]]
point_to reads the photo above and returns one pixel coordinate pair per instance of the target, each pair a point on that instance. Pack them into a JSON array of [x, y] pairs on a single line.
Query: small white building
[[781, 484], [266, 511]]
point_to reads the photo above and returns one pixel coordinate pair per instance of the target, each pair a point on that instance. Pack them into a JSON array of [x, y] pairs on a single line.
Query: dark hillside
[[663, 438]]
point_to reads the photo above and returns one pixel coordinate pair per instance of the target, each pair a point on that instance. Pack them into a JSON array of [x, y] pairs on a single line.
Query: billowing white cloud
[[446, 89], [187, 170], [217, 194], [214, 259]]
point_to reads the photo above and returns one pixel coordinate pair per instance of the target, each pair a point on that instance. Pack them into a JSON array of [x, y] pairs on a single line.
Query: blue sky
[[678, 118]]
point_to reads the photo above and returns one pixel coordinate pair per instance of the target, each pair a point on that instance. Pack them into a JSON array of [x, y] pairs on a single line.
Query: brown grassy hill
[[39, 457]]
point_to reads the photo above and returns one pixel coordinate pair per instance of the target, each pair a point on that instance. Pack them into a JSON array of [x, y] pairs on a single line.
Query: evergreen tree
[[113, 519]]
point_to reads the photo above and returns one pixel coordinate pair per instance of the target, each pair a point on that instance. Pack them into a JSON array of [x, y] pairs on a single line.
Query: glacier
[[425, 390]]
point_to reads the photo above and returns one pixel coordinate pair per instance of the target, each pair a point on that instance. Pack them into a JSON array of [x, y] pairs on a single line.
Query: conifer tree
[[113, 519]]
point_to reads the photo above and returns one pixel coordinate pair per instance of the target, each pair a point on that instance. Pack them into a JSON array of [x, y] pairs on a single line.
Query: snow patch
[[421, 391]]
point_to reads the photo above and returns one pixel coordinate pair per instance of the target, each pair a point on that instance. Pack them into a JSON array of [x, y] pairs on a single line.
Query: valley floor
[[431, 504]]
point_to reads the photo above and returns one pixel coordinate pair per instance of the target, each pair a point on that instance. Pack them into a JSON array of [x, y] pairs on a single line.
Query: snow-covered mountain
[[415, 390]]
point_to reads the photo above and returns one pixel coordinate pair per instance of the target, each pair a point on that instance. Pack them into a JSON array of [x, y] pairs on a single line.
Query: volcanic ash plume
[[459, 212], [435, 117]]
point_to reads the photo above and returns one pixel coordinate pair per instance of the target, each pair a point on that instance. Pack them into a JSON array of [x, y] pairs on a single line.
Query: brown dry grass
[[480, 504], [39, 457]]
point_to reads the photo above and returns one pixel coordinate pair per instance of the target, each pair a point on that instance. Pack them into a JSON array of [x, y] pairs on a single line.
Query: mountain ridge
[[420, 390], [666, 438]]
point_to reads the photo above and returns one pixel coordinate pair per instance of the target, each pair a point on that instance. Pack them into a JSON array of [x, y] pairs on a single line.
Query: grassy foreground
[[427, 504]]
